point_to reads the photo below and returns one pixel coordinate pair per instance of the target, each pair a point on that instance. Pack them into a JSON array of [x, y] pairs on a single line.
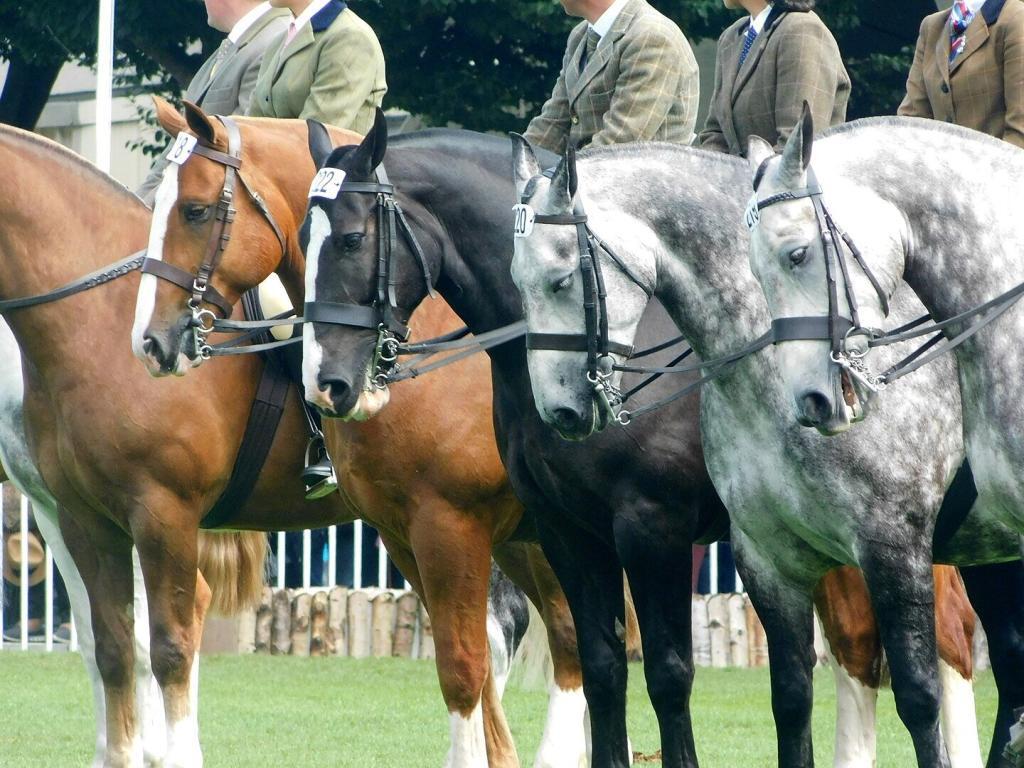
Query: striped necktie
[[748, 43], [960, 18]]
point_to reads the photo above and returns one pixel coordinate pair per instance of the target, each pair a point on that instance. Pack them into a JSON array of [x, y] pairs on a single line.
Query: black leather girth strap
[[264, 417]]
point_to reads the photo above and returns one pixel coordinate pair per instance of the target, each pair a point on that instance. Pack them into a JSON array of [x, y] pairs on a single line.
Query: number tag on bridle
[[752, 216], [182, 149], [524, 218], [327, 183]]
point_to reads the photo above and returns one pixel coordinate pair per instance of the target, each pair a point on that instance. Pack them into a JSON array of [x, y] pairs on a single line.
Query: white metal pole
[[713, 569], [382, 565], [104, 83], [307, 556], [24, 573], [49, 598], [280, 559], [357, 554], [332, 556]]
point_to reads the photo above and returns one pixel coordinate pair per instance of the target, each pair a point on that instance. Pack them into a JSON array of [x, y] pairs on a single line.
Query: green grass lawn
[[283, 711]]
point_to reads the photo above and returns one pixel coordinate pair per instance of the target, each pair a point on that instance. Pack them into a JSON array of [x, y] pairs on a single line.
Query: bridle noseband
[[198, 284], [384, 314]]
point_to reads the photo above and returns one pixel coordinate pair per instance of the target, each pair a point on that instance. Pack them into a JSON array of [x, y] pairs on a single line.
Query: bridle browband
[[198, 284]]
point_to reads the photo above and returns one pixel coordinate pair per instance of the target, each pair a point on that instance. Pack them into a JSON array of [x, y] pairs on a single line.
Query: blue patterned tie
[[960, 18], [748, 42]]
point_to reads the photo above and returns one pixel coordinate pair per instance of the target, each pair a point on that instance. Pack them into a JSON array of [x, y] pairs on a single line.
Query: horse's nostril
[[147, 344], [815, 408], [566, 419]]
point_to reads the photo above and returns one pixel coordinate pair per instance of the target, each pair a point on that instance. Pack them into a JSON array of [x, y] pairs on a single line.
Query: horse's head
[[560, 271], [817, 255], [216, 225], [365, 273]]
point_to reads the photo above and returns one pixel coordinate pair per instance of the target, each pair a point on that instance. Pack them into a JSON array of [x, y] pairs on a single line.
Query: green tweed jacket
[[640, 84], [332, 71], [227, 89], [794, 59]]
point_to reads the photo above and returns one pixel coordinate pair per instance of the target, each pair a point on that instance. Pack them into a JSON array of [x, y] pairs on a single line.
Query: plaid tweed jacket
[[984, 89], [794, 59], [640, 84]]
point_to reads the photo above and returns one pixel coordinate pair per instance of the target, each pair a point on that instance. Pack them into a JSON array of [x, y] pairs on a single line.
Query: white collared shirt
[[975, 5], [311, 10], [758, 22], [243, 24], [605, 20]]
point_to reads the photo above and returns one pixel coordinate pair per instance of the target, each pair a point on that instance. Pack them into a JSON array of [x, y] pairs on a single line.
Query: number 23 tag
[[524, 218], [327, 183]]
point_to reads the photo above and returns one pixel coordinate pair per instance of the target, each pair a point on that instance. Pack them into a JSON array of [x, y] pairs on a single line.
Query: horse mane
[[639, 148], [917, 123], [49, 147]]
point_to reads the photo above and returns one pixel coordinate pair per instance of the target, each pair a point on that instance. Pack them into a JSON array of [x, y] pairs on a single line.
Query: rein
[[832, 240]]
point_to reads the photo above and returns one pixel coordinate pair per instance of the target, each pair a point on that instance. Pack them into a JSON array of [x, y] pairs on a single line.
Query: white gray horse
[[799, 504], [22, 472]]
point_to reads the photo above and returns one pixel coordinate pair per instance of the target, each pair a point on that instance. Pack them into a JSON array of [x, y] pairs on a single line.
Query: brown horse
[[136, 461], [431, 482], [279, 167]]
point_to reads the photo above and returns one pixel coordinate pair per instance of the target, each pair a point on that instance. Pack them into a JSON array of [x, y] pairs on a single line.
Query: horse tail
[[233, 564], [532, 667]]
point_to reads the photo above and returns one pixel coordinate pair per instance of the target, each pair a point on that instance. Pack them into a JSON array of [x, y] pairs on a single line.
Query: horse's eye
[[195, 213], [564, 283], [353, 241], [797, 256]]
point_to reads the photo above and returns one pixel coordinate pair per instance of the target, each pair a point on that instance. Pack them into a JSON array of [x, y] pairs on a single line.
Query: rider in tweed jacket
[[639, 83], [794, 58]]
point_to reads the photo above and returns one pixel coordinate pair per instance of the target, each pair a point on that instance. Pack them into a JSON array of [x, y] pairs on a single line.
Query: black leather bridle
[[198, 284], [384, 314]]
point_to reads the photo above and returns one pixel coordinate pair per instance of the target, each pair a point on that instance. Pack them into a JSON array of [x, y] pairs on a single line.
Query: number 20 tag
[[327, 183], [524, 218], [752, 216], [182, 149]]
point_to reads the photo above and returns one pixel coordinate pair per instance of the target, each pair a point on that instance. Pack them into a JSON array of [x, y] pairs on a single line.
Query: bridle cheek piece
[[198, 285]]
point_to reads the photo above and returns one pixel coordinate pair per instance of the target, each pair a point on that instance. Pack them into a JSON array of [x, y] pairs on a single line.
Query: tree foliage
[[483, 64]]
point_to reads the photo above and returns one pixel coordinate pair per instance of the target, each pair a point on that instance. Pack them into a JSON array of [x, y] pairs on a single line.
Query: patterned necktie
[[225, 47], [592, 40], [960, 18], [292, 31], [748, 43]]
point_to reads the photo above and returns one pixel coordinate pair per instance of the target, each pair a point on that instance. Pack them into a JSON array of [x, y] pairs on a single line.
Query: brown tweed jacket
[[794, 59], [641, 84], [984, 89]]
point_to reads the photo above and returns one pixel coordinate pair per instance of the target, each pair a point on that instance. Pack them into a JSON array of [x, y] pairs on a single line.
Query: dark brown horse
[[431, 481], [138, 461]]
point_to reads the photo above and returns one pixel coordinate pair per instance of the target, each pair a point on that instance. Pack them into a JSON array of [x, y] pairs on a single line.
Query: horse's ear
[[796, 156], [524, 162], [370, 152], [562, 185], [168, 117], [320, 146], [200, 123], [758, 150]]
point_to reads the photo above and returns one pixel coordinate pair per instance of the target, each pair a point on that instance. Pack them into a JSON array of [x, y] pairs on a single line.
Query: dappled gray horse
[[799, 504]]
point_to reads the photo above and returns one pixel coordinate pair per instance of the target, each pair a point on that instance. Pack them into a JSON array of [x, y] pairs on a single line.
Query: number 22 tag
[[327, 183]]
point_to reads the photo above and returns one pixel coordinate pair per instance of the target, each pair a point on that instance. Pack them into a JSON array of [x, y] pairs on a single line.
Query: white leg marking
[[166, 195], [501, 660], [149, 701], [468, 749], [958, 719], [855, 719], [565, 742], [312, 352]]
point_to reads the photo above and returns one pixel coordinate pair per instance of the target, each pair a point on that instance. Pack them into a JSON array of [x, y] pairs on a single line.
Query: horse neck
[[964, 237], [685, 198], [63, 219], [470, 198]]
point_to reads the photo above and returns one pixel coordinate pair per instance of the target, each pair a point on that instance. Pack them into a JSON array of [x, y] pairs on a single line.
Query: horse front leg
[[564, 742], [103, 556], [898, 572], [997, 594], [657, 559], [453, 555], [787, 614], [178, 600], [855, 650], [590, 573]]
